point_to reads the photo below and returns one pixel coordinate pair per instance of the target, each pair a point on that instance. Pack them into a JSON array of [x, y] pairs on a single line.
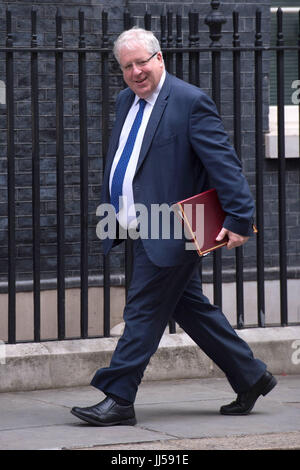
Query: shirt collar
[[152, 98]]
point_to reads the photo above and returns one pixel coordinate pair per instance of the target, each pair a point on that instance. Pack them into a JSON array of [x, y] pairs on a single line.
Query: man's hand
[[234, 239]]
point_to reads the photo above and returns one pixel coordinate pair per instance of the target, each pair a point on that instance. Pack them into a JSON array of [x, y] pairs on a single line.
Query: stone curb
[[69, 363]]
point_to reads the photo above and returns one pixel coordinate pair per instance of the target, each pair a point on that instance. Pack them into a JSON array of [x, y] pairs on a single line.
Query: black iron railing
[[184, 61]]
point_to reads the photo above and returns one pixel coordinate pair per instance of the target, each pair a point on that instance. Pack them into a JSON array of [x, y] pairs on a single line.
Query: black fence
[[183, 60]]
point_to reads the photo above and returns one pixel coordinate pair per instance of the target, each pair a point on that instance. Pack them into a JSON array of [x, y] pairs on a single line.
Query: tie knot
[[142, 103]]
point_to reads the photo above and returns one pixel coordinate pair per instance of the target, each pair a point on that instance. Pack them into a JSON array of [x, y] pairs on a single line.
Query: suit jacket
[[185, 151]]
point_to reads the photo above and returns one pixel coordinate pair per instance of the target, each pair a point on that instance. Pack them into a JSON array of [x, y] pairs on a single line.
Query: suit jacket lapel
[[155, 117]]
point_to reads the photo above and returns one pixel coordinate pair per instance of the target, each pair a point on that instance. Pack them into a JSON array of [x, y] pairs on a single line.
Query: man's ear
[[160, 56]]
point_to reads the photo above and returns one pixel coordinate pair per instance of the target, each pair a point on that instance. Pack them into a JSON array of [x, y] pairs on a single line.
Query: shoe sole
[[268, 387], [94, 422]]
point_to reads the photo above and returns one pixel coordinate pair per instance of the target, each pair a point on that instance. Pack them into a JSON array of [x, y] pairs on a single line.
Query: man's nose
[[136, 70]]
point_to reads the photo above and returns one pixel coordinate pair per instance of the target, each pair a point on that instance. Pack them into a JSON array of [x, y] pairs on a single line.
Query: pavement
[[173, 415]]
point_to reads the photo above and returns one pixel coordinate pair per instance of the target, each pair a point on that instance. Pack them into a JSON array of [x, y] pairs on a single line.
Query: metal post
[[147, 20], [60, 178], [84, 269], [179, 55], [105, 134], [215, 20], [281, 170], [169, 62], [259, 155], [238, 148], [35, 177], [11, 183], [194, 77]]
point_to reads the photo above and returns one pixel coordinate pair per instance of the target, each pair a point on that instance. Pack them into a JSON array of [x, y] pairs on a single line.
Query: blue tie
[[120, 170]]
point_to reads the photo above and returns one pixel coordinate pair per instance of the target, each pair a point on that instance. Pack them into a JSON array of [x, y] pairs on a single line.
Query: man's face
[[140, 74]]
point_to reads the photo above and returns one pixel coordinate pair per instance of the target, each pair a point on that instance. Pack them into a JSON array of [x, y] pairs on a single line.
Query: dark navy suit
[[184, 152]]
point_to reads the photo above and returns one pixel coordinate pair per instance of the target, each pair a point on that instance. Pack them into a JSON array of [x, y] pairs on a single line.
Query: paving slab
[[174, 414]]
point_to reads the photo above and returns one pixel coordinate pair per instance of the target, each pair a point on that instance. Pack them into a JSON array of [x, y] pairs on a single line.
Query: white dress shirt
[[127, 215]]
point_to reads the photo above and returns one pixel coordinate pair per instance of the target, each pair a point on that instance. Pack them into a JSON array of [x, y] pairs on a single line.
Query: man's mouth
[[141, 81]]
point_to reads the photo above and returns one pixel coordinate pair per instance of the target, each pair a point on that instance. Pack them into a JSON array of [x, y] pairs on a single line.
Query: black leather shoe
[[106, 413], [245, 401]]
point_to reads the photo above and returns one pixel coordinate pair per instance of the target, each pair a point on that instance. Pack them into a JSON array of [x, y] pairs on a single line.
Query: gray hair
[[134, 36]]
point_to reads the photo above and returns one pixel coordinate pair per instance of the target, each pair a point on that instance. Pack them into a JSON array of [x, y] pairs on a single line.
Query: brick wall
[[46, 12]]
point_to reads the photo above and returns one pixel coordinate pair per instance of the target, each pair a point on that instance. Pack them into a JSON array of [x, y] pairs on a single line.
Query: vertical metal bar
[[163, 32], [169, 61], [60, 178], [179, 55], [259, 155], [172, 326], [169, 67], [216, 78], [238, 148], [191, 40], [105, 133], [163, 29], [216, 96], [11, 183], [215, 20], [147, 20], [127, 19], [35, 178], [194, 43], [83, 181], [167, 36], [281, 170]]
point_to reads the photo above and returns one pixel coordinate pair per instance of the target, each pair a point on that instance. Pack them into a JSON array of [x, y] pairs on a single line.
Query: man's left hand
[[234, 239]]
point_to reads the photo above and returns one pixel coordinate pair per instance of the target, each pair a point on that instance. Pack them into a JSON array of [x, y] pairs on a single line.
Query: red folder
[[211, 217]]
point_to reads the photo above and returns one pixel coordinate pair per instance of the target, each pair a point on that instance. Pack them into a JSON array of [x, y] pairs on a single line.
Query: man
[[168, 143]]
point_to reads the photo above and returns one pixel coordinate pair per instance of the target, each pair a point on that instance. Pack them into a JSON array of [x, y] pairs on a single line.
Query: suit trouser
[[155, 296]]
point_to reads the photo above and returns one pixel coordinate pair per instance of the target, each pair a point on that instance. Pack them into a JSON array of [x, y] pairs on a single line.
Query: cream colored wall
[[24, 308], [24, 315]]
